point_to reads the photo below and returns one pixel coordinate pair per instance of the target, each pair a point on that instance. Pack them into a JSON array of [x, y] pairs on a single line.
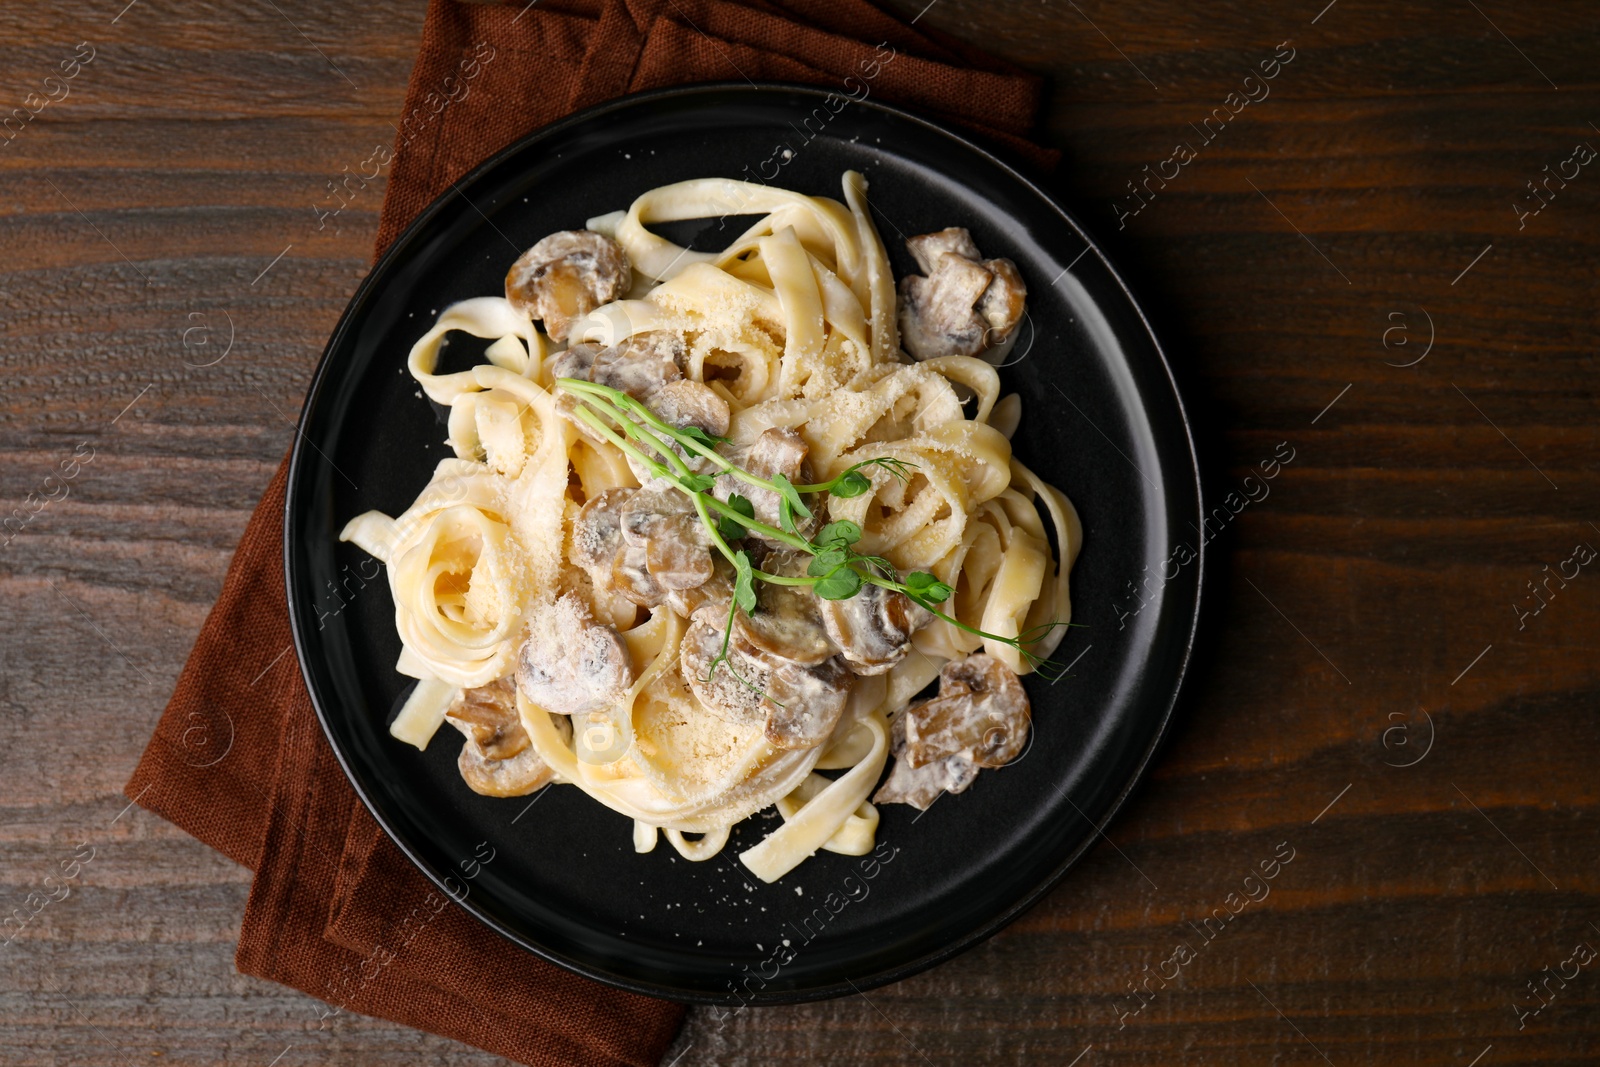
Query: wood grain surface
[[1377, 695]]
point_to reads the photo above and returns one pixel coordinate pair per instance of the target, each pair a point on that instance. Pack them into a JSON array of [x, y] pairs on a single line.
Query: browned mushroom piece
[[927, 248], [921, 786], [981, 713], [962, 303], [660, 520], [575, 362], [570, 664], [1004, 301], [687, 403], [597, 531], [803, 703], [732, 690], [612, 563], [497, 759], [775, 451], [640, 365], [786, 626], [630, 575], [873, 628], [487, 716], [566, 276], [716, 592], [797, 705]]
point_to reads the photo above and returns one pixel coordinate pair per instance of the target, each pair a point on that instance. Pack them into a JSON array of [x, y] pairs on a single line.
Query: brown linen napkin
[[238, 759]]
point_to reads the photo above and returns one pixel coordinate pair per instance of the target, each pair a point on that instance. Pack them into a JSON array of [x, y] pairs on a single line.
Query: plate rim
[[990, 926]]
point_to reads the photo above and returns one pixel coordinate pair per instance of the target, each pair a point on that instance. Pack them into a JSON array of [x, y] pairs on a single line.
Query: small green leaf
[[826, 562], [791, 496], [729, 527], [927, 588], [698, 483], [840, 584], [701, 437], [840, 532], [851, 483], [744, 582]]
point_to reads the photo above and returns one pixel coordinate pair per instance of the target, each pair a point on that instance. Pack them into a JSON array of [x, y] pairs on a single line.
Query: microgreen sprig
[[834, 572]]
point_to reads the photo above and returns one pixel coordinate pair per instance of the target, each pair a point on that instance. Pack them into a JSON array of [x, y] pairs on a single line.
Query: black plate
[[565, 881]]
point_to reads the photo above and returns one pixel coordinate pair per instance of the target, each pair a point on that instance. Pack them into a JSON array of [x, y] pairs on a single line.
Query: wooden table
[[1399, 678]]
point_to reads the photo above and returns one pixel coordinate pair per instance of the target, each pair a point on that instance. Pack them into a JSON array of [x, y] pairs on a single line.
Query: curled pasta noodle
[[456, 602], [794, 326]]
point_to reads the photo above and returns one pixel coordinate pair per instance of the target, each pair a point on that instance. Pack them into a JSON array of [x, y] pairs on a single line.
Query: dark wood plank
[[1374, 585]]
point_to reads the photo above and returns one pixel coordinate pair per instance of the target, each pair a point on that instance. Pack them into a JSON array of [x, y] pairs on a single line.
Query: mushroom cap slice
[[721, 691], [487, 716], [796, 705], [873, 628], [937, 316], [565, 276], [630, 575], [785, 628], [612, 563], [518, 776], [685, 403], [497, 759], [677, 547], [981, 713], [597, 531], [921, 786], [641, 364], [678, 560], [575, 362], [803, 703], [571, 665], [714, 593]]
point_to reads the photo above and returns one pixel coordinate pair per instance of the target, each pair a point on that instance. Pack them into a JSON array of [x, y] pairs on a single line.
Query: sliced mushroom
[[803, 704], [797, 705], [487, 716], [776, 451], [497, 759], [597, 531], [641, 364], [716, 592], [921, 786], [733, 690], [518, 776], [786, 626], [630, 575], [873, 628], [962, 303], [928, 248], [660, 520], [575, 362], [571, 665], [981, 713], [565, 276], [612, 563], [686, 403]]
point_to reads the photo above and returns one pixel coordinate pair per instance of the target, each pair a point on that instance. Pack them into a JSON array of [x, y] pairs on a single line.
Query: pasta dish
[[716, 520]]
